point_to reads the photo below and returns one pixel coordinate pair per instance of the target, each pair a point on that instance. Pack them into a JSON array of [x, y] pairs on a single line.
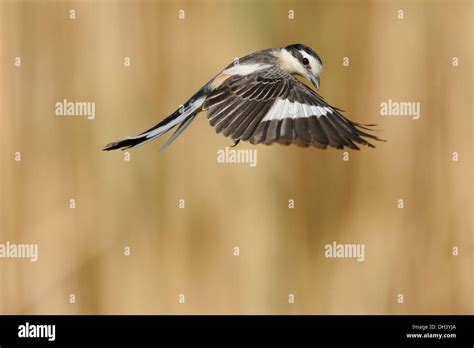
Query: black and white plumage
[[258, 99]]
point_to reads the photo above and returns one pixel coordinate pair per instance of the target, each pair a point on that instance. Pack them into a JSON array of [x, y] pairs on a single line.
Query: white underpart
[[283, 108], [245, 69], [163, 129]]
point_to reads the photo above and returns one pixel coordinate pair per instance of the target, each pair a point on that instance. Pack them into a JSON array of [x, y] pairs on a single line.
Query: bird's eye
[[305, 61]]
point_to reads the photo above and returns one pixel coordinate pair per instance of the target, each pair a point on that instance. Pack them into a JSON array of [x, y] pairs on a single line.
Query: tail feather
[[178, 131], [123, 144], [183, 116]]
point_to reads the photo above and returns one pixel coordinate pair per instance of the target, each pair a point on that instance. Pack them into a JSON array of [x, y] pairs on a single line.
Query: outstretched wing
[[270, 106]]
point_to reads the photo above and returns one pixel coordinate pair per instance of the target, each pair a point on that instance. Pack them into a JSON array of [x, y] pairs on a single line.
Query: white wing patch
[[245, 69], [283, 108]]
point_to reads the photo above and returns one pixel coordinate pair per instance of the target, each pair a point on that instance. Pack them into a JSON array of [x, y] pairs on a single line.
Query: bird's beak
[[315, 81]]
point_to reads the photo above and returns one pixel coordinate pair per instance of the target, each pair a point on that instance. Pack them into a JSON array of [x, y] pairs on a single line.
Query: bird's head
[[301, 60]]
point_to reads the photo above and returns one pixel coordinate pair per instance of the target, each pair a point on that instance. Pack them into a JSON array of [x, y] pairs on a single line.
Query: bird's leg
[[236, 142]]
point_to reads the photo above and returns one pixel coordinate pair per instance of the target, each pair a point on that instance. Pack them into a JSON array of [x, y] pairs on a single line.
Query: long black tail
[[182, 116]]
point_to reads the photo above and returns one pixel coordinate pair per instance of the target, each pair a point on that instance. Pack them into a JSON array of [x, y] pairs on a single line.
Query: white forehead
[[313, 62]]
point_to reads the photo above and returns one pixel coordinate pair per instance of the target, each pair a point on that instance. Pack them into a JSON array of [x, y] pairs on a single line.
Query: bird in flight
[[258, 99]]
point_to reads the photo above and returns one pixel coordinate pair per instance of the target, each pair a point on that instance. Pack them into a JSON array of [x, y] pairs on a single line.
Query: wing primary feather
[[214, 114], [273, 131], [260, 133], [318, 135], [286, 131], [302, 134], [258, 114], [227, 118], [240, 120], [334, 139]]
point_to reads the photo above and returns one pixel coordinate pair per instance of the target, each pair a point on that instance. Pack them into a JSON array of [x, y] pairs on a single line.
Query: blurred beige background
[[190, 251]]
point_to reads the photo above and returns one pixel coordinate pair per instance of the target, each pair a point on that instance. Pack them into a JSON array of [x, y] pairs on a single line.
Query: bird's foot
[[236, 142]]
